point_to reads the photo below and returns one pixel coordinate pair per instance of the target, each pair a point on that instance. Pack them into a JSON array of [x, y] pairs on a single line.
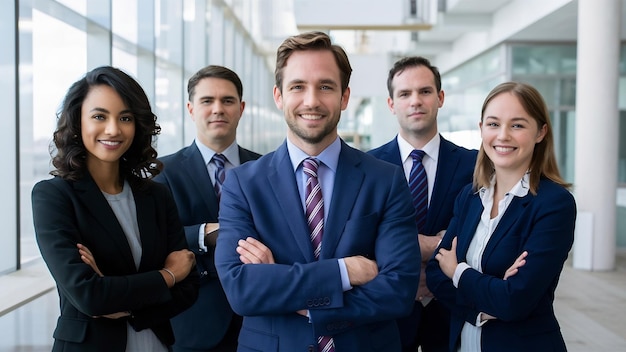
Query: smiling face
[[509, 134], [415, 103], [216, 110], [107, 126], [311, 99]]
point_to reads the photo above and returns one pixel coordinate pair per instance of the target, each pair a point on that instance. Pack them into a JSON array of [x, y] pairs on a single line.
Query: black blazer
[[203, 325], [66, 213]]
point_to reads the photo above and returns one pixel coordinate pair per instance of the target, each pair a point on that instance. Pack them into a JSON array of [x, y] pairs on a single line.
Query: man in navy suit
[[415, 96], [215, 105], [295, 293]]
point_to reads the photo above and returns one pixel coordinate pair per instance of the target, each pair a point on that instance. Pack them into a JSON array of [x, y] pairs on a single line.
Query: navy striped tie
[[315, 218], [418, 183], [220, 173]]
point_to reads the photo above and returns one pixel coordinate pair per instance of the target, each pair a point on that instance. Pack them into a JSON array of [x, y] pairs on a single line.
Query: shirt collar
[[431, 148], [520, 189], [231, 153], [328, 157]]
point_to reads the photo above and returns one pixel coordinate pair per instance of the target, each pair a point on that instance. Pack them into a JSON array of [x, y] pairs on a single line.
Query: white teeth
[[110, 142], [504, 149], [311, 117]]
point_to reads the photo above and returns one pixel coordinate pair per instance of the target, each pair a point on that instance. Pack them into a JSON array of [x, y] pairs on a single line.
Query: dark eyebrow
[[221, 98], [329, 82], [103, 110], [99, 110], [296, 81]]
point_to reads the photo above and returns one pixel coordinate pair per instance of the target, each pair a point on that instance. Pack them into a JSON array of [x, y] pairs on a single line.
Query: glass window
[[55, 59], [169, 78], [8, 138], [124, 19], [564, 130], [621, 178], [79, 6], [543, 59]]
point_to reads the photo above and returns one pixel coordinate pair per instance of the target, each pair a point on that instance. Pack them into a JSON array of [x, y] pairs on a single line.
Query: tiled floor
[[591, 307]]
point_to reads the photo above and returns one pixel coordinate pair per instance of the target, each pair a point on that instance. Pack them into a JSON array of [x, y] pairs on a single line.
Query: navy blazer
[[455, 167], [69, 212], [543, 225], [371, 214], [203, 325]]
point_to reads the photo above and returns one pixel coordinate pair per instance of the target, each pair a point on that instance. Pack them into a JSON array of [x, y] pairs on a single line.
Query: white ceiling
[[372, 19]]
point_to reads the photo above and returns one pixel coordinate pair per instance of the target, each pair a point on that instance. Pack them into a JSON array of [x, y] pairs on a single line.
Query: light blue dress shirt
[[329, 159]]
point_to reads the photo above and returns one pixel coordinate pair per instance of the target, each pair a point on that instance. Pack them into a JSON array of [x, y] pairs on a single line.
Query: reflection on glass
[[58, 59]]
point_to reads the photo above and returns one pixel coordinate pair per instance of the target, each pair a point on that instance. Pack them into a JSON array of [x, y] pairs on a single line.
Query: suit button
[[311, 348], [326, 301]]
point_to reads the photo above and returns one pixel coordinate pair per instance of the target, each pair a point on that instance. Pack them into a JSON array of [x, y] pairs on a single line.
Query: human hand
[[422, 289], [360, 269], [519, 262], [447, 259], [114, 315], [485, 316], [179, 263], [428, 244], [87, 258], [211, 230], [253, 251]]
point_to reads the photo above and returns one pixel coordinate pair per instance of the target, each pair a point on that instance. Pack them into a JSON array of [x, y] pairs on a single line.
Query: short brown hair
[[214, 71], [412, 61], [312, 41]]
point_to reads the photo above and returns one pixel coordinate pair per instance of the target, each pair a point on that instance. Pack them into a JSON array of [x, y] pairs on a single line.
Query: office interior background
[[574, 52]]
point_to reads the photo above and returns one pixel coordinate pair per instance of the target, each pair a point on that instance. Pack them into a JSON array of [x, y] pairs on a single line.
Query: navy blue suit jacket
[[69, 212], [371, 214], [455, 167], [543, 225], [204, 324]]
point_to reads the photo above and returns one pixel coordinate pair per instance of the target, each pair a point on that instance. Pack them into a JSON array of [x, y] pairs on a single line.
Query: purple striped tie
[[220, 173], [315, 218], [418, 184]]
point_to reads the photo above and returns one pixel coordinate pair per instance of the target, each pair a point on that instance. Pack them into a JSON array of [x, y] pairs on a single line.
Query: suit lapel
[[445, 174], [199, 177], [147, 227], [283, 183], [348, 180], [391, 152], [474, 211], [93, 200], [510, 217], [244, 155]]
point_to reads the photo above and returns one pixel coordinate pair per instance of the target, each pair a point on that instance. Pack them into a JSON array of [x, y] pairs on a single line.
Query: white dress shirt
[[471, 334]]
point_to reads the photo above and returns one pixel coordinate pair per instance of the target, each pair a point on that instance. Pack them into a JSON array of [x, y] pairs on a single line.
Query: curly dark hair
[[68, 152]]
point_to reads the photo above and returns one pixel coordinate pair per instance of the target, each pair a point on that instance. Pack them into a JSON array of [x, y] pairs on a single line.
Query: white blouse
[[471, 334]]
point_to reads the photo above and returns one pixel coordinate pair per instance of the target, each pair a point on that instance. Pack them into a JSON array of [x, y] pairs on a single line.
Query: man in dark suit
[[415, 96], [194, 175], [317, 244]]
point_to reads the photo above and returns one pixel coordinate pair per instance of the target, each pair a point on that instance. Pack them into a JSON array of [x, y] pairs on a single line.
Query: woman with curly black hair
[[110, 236]]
